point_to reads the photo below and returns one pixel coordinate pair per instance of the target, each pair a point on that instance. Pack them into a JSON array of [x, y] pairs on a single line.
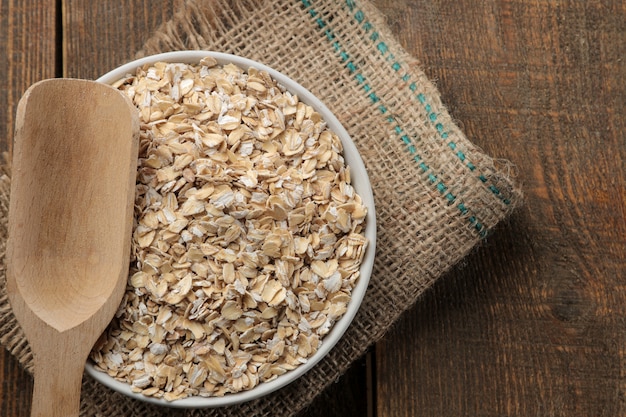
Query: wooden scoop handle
[[58, 381]]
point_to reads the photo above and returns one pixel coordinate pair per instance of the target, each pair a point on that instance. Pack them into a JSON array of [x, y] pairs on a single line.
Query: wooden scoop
[[70, 221]]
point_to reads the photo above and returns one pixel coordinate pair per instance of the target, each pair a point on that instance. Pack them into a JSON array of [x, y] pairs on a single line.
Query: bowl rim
[[361, 183]]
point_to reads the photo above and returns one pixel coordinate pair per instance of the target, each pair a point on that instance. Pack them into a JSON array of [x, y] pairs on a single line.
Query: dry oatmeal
[[248, 234]]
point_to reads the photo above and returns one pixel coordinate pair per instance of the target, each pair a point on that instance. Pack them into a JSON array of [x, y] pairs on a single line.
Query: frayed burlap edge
[[11, 335]]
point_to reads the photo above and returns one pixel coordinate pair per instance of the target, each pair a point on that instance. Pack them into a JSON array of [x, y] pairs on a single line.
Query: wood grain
[[532, 323], [100, 36], [27, 54], [16, 390]]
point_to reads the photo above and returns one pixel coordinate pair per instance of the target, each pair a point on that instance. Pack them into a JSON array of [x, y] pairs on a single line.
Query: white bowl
[[361, 183]]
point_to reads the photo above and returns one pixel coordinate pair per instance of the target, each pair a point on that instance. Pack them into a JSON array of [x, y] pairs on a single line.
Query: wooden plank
[[27, 54], [16, 389], [345, 397], [99, 36], [532, 323]]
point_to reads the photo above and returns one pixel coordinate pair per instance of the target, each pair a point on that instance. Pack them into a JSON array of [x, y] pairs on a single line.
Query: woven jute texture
[[436, 194]]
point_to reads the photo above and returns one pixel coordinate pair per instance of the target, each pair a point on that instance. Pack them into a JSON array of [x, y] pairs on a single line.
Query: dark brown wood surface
[[532, 322]]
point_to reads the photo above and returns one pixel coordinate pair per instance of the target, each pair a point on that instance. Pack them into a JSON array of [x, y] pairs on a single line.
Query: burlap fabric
[[436, 194]]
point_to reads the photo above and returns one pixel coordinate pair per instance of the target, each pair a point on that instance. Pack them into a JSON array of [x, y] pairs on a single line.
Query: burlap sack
[[436, 194]]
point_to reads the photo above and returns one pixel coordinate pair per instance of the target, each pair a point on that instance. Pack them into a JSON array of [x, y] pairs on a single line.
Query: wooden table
[[533, 322]]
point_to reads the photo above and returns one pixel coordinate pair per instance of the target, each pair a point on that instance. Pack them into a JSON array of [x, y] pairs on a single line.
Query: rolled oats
[[248, 235]]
